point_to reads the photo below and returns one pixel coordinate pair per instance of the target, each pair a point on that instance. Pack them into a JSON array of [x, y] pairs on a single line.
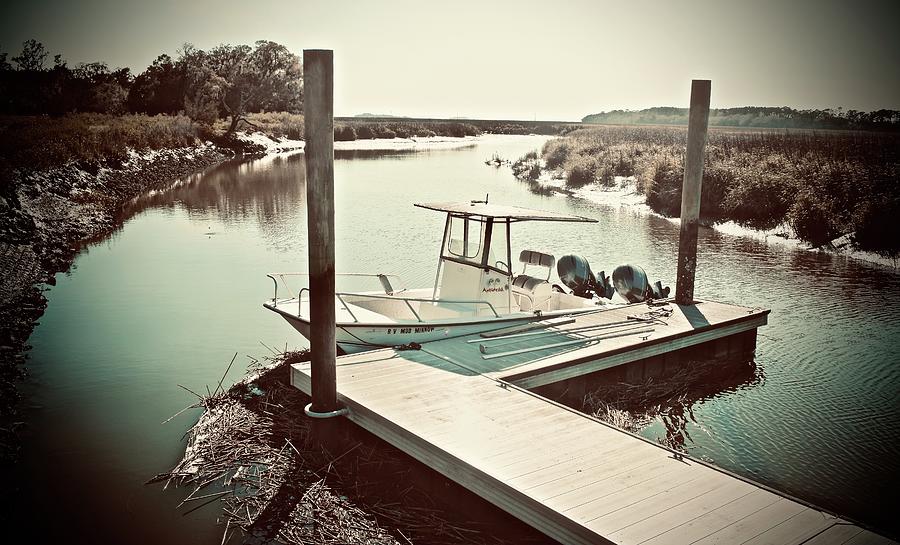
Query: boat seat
[[538, 259], [532, 293]]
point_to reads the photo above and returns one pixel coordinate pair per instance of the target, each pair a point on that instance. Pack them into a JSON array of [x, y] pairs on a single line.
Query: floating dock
[[462, 407]]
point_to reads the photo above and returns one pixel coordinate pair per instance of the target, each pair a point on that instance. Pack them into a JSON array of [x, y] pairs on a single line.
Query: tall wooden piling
[[318, 84], [690, 193]]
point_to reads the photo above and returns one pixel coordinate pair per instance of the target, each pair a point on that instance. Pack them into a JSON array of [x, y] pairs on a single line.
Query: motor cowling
[[575, 272], [631, 284]]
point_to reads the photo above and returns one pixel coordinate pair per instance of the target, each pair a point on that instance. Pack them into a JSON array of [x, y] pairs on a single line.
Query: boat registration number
[[405, 330]]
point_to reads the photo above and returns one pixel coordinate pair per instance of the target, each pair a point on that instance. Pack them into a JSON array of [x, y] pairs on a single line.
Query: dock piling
[[698, 122], [318, 76]]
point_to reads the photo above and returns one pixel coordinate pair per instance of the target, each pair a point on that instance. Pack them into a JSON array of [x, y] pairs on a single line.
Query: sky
[[551, 60]]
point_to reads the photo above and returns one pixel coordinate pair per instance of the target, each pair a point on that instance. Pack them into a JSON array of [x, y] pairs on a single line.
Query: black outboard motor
[[575, 272], [631, 283]]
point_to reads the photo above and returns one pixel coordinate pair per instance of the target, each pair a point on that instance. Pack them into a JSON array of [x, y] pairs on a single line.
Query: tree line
[[227, 81], [756, 116]]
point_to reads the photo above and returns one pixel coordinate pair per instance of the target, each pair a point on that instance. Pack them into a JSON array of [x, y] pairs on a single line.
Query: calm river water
[[177, 291]]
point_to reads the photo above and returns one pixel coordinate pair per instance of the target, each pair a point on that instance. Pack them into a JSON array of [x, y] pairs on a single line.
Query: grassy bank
[[42, 142], [279, 476], [823, 184]]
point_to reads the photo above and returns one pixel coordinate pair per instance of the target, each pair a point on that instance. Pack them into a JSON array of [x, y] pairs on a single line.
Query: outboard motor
[[632, 285], [575, 272]]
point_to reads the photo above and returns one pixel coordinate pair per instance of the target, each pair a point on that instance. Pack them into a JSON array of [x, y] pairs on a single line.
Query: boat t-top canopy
[[501, 212]]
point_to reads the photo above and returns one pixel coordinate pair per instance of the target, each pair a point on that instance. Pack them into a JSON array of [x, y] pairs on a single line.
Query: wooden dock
[[569, 475]]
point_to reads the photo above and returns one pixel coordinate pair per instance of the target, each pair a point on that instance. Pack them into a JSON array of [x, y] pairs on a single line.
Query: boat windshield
[[467, 240]]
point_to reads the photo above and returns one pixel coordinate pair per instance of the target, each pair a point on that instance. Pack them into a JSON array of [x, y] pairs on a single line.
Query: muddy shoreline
[[46, 218]]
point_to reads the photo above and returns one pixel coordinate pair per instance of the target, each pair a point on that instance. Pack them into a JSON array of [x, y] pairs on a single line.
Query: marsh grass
[[279, 124], [823, 184], [42, 142], [280, 478]]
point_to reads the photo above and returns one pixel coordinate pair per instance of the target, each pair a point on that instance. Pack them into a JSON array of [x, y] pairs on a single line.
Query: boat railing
[[518, 295], [390, 294], [384, 279]]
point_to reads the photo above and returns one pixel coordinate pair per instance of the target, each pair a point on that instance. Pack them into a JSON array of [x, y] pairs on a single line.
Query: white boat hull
[[356, 337]]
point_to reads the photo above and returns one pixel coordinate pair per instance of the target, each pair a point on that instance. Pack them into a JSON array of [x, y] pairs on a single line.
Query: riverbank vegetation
[[822, 184], [279, 477], [41, 142], [290, 125]]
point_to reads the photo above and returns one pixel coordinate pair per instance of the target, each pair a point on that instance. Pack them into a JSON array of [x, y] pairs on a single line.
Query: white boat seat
[[531, 257], [532, 293]]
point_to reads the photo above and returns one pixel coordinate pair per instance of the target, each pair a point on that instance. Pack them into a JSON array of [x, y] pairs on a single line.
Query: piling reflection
[[669, 400]]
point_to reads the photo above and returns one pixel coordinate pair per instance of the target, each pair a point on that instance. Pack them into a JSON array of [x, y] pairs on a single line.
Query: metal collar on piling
[[330, 414]]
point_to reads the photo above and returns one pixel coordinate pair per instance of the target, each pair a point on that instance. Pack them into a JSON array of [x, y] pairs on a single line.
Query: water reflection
[[666, 404], [376, 154], [264, 190]]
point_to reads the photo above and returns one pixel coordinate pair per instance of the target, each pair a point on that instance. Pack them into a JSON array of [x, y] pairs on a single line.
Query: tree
[[203, 86], [159, 89], [241, 79], [32, 57]]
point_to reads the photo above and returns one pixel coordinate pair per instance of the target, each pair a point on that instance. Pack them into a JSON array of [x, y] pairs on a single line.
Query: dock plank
[[667, 510], [755, 524], [704, 523]]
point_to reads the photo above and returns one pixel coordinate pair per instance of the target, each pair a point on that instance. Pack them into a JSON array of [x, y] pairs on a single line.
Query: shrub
[[757, 196], [812, 220], [664, 194], [364, 132], [555, 153], [875, 225], [580, 171], [344, 133], [382, 131], [460, 130]]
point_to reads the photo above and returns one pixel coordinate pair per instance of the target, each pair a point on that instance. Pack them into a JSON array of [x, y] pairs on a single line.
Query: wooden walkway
[[570, 476]]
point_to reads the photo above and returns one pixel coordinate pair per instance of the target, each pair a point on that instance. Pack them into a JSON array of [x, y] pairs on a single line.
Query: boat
[[475, 287]]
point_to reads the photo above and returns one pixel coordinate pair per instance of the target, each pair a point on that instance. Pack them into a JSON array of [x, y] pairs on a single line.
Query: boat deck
[[597, 341], [569, 475]]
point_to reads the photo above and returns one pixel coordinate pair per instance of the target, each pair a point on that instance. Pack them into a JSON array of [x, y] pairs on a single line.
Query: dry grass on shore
[[256, 453], [42, 142]]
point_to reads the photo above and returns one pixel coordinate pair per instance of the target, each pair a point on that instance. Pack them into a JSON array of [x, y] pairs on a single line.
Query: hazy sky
[[516, 59]]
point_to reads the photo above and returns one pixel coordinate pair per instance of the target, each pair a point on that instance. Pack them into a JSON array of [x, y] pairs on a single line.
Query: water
[[177, 291]]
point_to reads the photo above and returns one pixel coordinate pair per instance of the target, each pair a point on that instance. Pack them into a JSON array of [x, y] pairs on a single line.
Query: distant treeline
[[228, 81], [371, 127], [754, 116], [491, 126], [360, 128]]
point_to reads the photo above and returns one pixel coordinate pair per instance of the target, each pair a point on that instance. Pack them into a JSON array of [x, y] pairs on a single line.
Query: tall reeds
[[823, 184]]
